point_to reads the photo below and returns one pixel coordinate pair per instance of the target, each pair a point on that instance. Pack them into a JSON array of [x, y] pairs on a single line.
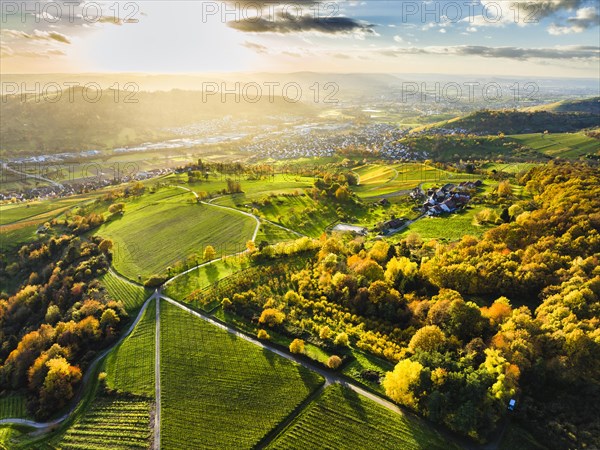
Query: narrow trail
[[157, 391]]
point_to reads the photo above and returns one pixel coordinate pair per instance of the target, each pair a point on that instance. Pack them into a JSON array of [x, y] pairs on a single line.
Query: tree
[[251, 246], [116, 208], [429, 338], [401, 383], [413, 240], [342, 194], [105, 245], [109, 319], [58, 385], [297, 346], [400, 270], [272, 317], [379, 252], [209, 253], [334, 362], [341, 340], [504, 189], [325, 332]]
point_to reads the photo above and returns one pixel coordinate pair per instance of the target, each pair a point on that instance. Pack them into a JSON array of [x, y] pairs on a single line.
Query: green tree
[[400, 384], [209, 253]]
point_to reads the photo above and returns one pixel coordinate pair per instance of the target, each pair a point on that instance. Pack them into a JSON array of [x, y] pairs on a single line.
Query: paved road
[[157, 376], [28, 175]]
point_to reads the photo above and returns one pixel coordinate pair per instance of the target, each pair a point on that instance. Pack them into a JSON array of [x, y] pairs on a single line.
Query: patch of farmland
[[132, 296], [219, 391], [341, 419], [111, 423], [130, 367]]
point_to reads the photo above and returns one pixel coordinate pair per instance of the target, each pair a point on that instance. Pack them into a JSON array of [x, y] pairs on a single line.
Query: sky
[[559, 38]]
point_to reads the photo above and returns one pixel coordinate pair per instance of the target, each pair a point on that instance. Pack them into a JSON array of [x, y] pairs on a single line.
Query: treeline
[[471, 324], [518, 122], [57, 321]]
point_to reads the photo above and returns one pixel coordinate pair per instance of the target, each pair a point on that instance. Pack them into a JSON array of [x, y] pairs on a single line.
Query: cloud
[[517, 53], [7, 52], [258, 48], [584, 18], [497, 13], [284, 23], [37, 35]]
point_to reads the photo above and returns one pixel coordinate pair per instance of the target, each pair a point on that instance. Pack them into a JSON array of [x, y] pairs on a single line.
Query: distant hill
[[587, 106], [563, 117], [34, 125]]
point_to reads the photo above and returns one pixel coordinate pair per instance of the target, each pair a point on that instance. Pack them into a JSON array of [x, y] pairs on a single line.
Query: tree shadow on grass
[[269, 356], [212, 273], [309, 378], [354, 401]]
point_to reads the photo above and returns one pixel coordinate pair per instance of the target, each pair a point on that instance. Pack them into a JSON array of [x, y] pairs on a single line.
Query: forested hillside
[[470, 324]]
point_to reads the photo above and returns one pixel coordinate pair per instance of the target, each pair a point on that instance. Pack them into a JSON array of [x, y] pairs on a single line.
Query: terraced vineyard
[[130, 367], [132, 296], [149, 239], [113, 423], [562, 145], [203, 277], [229, 393], [341, 419], [12, 406]]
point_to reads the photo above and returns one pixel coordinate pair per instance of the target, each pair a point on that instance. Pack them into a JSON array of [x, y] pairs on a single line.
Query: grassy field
[[111, 422], [378, 180], [130, 367], [449, 228], [154, 236], [219, 391], [19, 222], [341, 419], [132, 296], [13, 405], [563, 145], [365, 361], [517, 437], [273, 234], [509, 168]]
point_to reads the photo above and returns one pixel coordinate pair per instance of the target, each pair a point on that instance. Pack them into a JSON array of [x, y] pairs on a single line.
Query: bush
[[154, 281], [271, 317], [262, 334], [297, 346], [341, 340], [334, 362]]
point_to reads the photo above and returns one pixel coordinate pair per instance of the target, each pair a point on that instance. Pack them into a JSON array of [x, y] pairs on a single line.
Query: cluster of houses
[[81, 185], [449, 198]]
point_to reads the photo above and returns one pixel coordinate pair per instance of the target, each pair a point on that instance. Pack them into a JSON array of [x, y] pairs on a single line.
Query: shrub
[[297, 346], [262, 334], [341, 340], [334, 362], [271, 317]]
